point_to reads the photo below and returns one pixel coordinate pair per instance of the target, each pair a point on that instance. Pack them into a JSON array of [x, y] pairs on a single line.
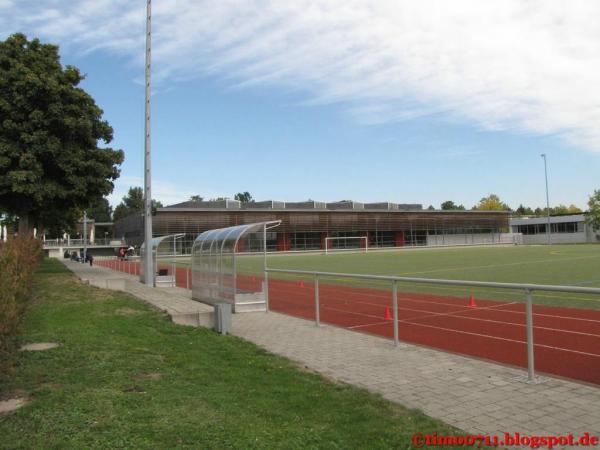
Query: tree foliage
[[491, 203], [554, 210], [244, 197], [593, 214], [196, 198], [133, 203], [524, 211], [100, 211], [50, 161], [449, 205]]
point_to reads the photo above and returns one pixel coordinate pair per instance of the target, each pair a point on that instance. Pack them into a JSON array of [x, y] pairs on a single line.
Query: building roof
[[344, 205]]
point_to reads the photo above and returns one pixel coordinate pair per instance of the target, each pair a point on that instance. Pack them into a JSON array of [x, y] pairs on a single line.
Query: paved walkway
[[473, 395]]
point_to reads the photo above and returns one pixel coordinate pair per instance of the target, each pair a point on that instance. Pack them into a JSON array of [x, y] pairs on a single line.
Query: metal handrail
[[527, 289], [517, 286], [80, 242]]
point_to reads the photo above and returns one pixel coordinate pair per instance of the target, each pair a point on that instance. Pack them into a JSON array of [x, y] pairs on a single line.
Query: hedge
[[18, 260]]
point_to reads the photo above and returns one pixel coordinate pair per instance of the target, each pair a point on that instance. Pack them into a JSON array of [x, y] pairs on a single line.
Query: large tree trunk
[[26, 225]]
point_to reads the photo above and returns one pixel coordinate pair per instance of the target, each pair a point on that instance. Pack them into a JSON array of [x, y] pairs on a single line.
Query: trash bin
[[222, 318]]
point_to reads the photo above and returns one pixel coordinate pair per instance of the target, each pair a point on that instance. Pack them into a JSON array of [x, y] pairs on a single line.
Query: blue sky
[[340, 100]]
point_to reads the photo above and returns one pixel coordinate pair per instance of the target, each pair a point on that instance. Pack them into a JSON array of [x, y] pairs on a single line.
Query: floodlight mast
[[148, 260], [84, 237], [547, 199]]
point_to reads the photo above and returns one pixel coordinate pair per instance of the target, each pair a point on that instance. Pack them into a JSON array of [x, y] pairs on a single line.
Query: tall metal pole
[[547, 199], [395, 309], [266, 274], [84, 236], [148, 260]]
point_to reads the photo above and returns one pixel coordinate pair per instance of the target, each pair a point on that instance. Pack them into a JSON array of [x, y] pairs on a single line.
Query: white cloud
[[525, 66], [166, 192]]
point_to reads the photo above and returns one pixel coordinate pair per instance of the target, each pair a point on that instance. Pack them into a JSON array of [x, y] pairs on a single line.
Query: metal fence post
[[395, 310], [317, 305], [530, 357]]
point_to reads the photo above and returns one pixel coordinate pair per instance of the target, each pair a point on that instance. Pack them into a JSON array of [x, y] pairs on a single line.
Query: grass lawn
[[125, 377], [561, 264]]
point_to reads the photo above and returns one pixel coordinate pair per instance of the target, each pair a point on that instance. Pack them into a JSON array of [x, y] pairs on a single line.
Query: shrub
[[18, 259]]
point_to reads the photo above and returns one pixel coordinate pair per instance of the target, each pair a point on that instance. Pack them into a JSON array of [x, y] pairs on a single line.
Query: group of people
[[82, 257], [123, 253]]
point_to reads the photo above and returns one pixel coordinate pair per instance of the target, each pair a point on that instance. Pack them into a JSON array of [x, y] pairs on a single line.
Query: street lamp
[[547, 198]]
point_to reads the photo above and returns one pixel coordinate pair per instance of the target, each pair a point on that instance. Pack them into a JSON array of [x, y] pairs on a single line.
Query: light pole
[[148, 261], [84, 236], [547, 198]]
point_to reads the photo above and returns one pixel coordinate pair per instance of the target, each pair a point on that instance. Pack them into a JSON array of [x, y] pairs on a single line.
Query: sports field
[[558, 264], [568, 265], [566, 326]]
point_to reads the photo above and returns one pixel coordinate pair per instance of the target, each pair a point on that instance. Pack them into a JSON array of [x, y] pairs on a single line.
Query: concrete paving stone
[[551, 409], [546, 420], [499, 415], [589, 419]]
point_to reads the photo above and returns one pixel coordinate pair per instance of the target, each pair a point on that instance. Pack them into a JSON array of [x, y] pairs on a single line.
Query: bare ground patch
[[11, 401], [154, 376], [128, 312], [38, 346]]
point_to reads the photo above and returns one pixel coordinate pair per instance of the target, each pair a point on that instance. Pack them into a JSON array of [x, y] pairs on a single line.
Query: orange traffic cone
[[301, 284], [388, 314], [472, 302]]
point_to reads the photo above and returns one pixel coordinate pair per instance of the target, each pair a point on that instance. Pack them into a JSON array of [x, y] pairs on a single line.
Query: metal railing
[[80, 242], [526, 289]]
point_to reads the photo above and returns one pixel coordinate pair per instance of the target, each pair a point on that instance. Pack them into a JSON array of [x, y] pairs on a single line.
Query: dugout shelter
[[217, 259]]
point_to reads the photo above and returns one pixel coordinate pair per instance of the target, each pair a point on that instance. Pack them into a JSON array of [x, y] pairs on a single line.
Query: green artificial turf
[[126, 377], [573, 265]]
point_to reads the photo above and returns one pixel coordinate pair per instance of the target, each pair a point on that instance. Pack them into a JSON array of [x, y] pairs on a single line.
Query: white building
[[571, 229]]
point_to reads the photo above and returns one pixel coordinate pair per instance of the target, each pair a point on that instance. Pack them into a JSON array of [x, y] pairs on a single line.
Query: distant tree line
[[493, 203]]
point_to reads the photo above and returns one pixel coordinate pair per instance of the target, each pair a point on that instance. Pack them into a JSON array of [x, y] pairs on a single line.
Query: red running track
[[567, 340]]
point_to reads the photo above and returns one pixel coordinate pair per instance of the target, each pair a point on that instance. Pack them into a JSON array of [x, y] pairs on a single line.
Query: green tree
[[100, 211], [593, 214], [491, 203], [449, 205], [133, 203], [244, 197], [430, 208], [196, 198], [560, 209], [50, 161], [524, 211]]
